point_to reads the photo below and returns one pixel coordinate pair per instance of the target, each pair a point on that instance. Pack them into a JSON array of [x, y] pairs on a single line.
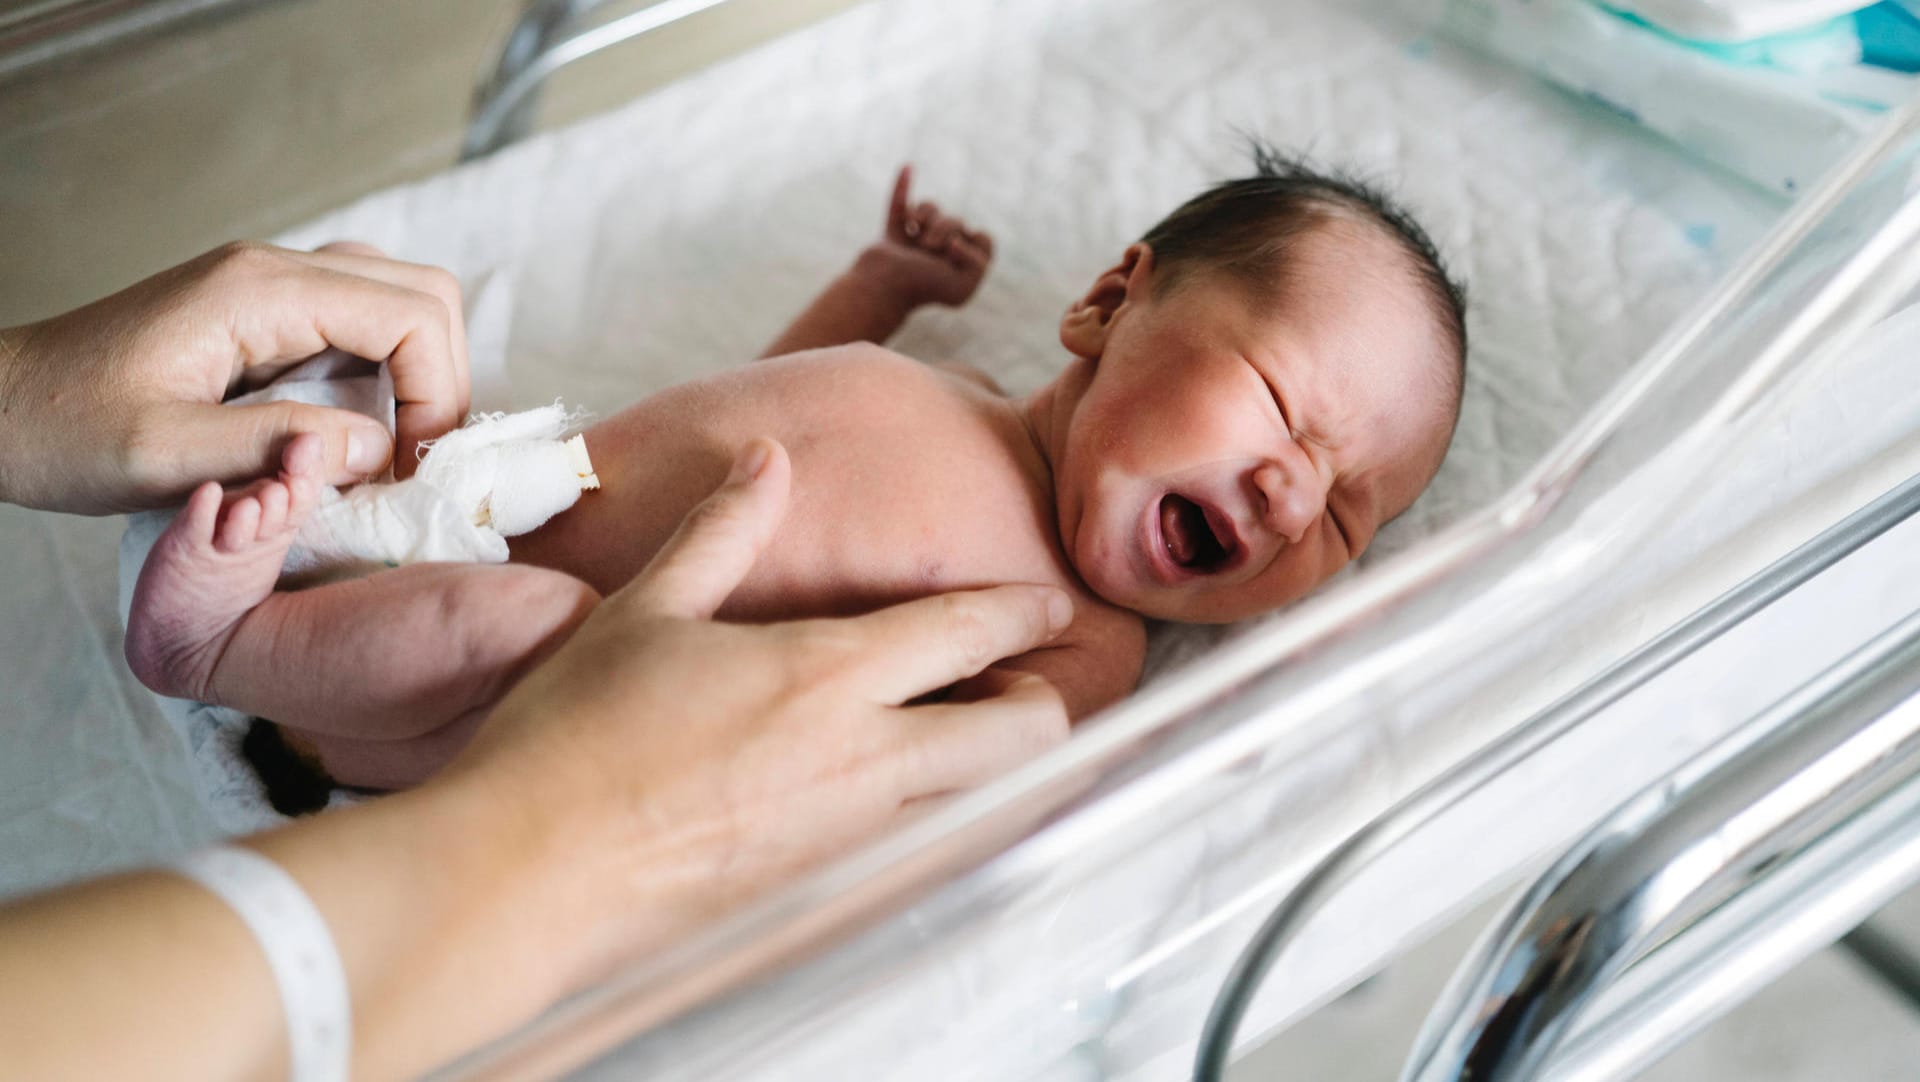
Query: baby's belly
[[824, 560], [903, 484], [793, 584]]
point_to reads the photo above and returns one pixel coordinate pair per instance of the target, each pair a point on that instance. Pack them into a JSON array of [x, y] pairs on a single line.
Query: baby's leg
[[381, 681], [396, 657], [399, 654]]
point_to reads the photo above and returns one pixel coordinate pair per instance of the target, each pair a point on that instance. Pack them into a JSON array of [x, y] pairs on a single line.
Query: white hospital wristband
[[299, 950]]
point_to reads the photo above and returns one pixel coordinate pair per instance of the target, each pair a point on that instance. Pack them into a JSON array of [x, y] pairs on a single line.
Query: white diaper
[[500, 475]]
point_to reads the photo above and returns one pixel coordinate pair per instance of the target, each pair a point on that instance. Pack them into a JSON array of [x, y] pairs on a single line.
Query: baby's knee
[[510, 618]]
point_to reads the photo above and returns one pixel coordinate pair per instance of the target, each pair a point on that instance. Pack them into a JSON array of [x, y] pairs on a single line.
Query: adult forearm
[[441, 907], [861, 305]]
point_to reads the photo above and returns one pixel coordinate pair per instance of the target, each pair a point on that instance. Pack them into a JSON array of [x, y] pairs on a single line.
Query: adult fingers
[[946, 747], [897, 211], [348, 257], [409, 330], [239, 443], [702, 563], [352, 247], [285, 305], [921, 646]]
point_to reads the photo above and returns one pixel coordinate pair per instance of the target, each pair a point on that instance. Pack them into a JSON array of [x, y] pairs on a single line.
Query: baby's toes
[[305, 457], [240, 526], [274, 499], [301, 469], [202, 512]]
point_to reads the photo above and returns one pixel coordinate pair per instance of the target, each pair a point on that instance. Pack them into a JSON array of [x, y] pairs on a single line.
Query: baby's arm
[[925, 257], [1094, 665]]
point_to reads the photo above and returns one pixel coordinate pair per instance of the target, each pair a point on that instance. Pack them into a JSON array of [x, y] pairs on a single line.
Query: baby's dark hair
[[1247, 227]]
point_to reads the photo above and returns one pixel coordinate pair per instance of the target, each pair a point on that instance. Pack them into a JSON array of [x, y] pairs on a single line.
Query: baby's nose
[[1289, 505]]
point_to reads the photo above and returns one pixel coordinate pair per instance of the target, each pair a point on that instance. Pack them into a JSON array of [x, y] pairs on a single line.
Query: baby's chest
[[892, 528]]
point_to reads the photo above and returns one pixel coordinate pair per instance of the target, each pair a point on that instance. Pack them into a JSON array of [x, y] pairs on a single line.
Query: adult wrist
[[605, 890], [438, 907]]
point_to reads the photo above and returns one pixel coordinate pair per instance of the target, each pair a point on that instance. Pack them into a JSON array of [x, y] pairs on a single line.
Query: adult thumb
[[234, 443], [700, 565]]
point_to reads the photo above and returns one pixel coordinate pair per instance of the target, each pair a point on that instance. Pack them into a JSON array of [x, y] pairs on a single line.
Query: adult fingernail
[[1059, 612], [751, 461], [366, 448]]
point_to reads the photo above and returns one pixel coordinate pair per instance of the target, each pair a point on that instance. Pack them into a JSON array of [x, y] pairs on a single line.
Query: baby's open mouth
[[1190, 537]]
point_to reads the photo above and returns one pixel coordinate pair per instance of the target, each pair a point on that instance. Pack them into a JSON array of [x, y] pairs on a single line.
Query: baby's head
[[1265, 378]]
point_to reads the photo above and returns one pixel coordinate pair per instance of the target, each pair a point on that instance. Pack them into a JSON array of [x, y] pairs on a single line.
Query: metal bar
[[538, 48], [1685, 844], [1886, 957], [1792, 912], [49, 32], [541, 23], [1441, 794]]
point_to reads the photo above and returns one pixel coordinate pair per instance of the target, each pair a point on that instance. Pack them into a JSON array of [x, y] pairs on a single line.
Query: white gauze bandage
[[502, 475]]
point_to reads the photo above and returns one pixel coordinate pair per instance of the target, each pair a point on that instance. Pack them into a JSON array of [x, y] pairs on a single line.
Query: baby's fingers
[[966, 255], [899, 211], [919, 220], [940, 231]]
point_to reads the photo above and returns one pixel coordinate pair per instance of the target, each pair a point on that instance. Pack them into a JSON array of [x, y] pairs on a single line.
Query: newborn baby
[[1254, 388]]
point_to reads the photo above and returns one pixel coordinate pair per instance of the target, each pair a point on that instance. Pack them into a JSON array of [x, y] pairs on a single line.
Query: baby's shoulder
[[1097, 661], [1115, 633], [859, 358], [866, 367]]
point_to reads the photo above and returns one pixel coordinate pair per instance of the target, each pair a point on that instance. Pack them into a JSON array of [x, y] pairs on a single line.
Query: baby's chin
[[1181, 607], [1155, 601], [1106, 566], [1202, 602]]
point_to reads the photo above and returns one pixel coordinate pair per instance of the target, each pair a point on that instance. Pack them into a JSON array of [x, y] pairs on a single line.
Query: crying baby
[[1257, 385]]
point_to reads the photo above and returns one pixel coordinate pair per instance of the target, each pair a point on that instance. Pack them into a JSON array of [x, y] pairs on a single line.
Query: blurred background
[[217, 119]]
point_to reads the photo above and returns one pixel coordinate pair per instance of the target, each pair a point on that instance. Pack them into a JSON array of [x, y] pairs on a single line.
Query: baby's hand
[[927, 256]]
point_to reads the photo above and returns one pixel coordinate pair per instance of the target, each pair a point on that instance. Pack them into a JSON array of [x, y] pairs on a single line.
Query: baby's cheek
[[1295, 573]]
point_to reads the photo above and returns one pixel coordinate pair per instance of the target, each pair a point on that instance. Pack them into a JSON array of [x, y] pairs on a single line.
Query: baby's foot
[[215, 562]]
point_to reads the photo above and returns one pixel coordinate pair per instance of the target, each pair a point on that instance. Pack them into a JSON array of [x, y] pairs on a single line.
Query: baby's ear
[[1084, 329]]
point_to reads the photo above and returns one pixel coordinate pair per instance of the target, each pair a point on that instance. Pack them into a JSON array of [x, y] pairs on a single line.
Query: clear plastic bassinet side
[[1440, 633]]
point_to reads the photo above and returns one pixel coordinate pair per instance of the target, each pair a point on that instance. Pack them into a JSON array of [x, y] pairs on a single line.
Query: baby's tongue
[[1174, 527]]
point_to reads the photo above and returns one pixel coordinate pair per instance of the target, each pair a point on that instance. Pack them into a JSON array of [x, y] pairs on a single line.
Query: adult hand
[[115, 406], [653, 771], [710, 759]]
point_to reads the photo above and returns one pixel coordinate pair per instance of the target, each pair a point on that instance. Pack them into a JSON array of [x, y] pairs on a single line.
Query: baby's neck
[[1047, 411]]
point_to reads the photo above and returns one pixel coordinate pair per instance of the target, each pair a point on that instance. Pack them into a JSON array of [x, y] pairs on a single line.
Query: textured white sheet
[[682, 231]]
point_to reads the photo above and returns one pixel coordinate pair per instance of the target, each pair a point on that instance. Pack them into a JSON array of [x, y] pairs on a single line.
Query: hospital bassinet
[[1676, 378]]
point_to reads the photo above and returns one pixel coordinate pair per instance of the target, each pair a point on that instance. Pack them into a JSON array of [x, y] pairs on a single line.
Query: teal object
[[1889, 37], [1832, 43]]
